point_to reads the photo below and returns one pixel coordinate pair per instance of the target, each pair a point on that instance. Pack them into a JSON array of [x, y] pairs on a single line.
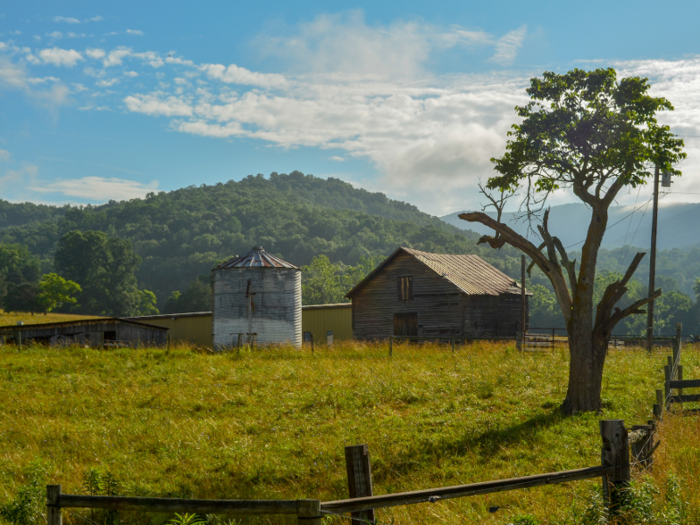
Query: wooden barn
[[96, 332], [414, 293]]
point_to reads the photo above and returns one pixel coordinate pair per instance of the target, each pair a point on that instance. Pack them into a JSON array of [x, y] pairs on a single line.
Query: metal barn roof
[[256, 258], [470, 273]]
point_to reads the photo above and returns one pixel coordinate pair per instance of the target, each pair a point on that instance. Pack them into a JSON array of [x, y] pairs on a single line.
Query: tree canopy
[[591, 134]]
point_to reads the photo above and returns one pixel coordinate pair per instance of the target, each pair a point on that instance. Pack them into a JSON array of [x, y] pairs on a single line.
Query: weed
[[27, 508]]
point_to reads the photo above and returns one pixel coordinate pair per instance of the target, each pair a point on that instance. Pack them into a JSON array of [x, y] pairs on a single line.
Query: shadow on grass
[[485, 444]]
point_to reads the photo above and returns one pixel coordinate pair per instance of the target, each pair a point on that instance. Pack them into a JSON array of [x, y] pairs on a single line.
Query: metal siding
[[319, 321], [277, 305], [195, 330]]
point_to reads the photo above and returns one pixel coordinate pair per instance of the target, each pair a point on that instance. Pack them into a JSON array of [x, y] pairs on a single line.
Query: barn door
[[406, 324]]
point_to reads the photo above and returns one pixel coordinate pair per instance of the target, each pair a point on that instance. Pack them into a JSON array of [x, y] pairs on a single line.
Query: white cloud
[[338, 159], [114, 58], [43, 80], [68, 20], [55, 35], [134, 32], [98, 189], [4, 154], [154, 104], [71, 20], [95, 53], [131, 74], [15, 77], [60, 57], [106, 82], [239, 75], [507, 47]]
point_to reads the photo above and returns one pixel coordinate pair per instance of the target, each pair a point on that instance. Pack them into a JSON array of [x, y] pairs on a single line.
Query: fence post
[[614, 453], [359, 472], [519, 340], [658, 407], [679, 375], [391, 345], [667, 385], [309, 512], [452, 342], [553, 335], [53, 509], [677, 349]]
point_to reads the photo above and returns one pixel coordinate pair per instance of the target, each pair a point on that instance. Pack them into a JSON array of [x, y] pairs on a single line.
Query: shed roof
[[256, 258], [470, 273], [77, 322]]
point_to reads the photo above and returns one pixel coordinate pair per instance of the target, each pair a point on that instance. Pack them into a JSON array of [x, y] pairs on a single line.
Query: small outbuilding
[[415, 293], [98, 332], [256, 299]]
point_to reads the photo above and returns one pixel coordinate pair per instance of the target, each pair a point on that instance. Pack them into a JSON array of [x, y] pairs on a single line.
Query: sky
[[113, 100]]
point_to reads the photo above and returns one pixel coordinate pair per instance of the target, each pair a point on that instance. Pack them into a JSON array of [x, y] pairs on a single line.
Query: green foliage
[[187, 519], [28, 505], [54, 291], [197, 298], [22, 297], [104, 267], [525, 519], [544, 308], [146, 304], [181, 234], [588, 127], [641, 503], [324, 282]]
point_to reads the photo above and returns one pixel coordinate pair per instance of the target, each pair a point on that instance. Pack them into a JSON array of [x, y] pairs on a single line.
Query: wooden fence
[[614, 471], [673, 380]]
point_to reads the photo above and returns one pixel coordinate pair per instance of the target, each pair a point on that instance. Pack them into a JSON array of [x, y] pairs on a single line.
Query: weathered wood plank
[[459, 491], [686, 383], [687, 398], [199, 506]]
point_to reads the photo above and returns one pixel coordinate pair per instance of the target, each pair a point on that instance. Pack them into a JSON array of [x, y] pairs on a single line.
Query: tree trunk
[[587, 359]]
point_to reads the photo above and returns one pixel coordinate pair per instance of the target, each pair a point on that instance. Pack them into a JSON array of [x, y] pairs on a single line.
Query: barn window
[[406, 324], [405, 287]]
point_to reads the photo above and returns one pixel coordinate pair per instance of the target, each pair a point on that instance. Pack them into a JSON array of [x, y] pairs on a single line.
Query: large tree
[[595, 136], [104, 268]]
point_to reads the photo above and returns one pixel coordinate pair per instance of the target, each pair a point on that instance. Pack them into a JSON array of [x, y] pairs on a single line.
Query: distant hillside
[[677, 227], [181, 234]]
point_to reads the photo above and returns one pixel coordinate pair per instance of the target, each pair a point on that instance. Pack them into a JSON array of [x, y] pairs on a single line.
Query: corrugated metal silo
[[257, 296]]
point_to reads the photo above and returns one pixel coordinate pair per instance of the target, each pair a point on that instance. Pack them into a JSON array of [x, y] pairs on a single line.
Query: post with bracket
[[359, 472], [614, 453], [53, 509]]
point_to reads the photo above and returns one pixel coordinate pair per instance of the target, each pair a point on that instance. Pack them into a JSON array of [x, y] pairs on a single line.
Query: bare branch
[[570, 266], [619, 315], [551, 269]]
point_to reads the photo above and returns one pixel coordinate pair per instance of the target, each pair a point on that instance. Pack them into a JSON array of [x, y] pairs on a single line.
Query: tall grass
[[273, 423]]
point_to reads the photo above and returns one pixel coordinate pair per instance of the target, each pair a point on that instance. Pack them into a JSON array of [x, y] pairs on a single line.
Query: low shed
[[190, 327], [415, 293], [91, 332], [326, 323]]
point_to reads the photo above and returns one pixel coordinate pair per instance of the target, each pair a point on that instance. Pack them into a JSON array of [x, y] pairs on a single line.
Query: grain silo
[[256, 299]]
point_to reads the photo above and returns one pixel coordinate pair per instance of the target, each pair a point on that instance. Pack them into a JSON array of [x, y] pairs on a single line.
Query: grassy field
[[273, 424], [14, 317]]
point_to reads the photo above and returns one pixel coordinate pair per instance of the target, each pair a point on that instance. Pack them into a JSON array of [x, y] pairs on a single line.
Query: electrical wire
[[624, 241]]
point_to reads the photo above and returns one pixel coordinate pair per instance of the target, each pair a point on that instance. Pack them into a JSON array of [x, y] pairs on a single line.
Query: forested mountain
[[181, 234], [176, 238]]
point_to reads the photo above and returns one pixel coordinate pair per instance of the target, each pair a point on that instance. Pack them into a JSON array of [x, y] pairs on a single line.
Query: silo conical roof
[[256, 258]]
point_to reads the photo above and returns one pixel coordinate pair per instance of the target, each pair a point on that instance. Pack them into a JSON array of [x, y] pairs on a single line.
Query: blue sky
[[102, 100]]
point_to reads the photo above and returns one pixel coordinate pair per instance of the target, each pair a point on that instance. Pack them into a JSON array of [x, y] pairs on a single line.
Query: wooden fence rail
[[460, 491], [614, 471]]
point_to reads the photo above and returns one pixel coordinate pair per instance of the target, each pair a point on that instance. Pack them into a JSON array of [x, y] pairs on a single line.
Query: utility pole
[[652, 263], [523, 301]]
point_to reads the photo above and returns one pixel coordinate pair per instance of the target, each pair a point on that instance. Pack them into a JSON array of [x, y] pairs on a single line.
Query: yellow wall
[[320, 319], [183, 327]]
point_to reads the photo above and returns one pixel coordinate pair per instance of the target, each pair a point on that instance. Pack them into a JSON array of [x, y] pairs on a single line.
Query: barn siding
[[436, 301]]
